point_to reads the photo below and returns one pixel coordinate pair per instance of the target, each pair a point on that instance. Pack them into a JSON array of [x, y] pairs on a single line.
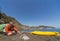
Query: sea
[[53, 30]]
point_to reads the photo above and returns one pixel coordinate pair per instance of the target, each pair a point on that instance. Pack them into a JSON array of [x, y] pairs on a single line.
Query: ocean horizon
[[53, 30]]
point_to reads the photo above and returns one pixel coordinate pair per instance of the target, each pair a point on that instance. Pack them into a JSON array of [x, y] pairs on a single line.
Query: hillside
[[6, 19]]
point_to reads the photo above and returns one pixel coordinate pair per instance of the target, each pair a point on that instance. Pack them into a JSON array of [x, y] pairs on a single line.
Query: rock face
[[6, 19], [32, 38]]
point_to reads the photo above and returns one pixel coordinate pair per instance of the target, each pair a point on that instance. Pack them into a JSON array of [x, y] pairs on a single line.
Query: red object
[[7, 29]]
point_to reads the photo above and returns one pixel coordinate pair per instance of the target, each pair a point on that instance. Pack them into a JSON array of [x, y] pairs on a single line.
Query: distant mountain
[[41, 27], [46, 26]]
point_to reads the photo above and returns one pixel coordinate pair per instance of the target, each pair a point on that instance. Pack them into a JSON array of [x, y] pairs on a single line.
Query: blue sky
[[33, 12]]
